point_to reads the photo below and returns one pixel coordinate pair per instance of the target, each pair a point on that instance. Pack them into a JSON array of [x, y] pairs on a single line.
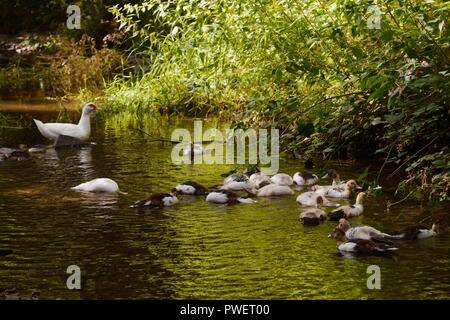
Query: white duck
[[225, 196], [82, 130], [349, 211], [236, 182], [274, 190], [282, 179], [338, 192], [345, 231], [310, 199], [99, 185], [259, 179], [157, 200]]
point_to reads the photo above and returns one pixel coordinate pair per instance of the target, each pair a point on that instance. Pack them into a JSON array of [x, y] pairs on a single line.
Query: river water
[[193, 250]]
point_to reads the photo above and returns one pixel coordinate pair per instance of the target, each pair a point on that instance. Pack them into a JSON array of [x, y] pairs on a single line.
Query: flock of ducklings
[[360, 240]]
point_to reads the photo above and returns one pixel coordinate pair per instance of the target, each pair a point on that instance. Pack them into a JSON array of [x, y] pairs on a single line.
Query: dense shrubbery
[[325, 73]]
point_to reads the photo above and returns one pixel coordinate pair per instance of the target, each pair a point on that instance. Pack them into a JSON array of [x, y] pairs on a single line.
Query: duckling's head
[[440, 226], [361, 197], [353, 185], [331, 174], [344, 225], [319, 201]]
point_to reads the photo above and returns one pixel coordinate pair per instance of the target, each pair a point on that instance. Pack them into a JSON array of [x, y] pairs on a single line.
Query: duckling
[[282, 179], [334, 175], [365, 247], [225, 196], [274, 190], [190, 188], [345, 231], [420, 232], [313, 216], [259, 180], [305, 179], [157, 200], [236, 182], [349, 211], [338, 192], [99, 185], [309, 199]]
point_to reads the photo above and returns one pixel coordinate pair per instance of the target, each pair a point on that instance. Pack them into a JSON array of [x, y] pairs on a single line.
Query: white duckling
[[236, 182], [190, 188], [420, 232], [310, 199], [272, 190], [349, 211], [282, 179], [99, 185], [305, 179], [259, 180], [157, 200], [345, 231], [338, 192], [313, 216], [225, 196], [81, 131]]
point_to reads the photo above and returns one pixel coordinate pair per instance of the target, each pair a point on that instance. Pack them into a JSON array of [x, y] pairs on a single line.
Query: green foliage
[[321, 71]]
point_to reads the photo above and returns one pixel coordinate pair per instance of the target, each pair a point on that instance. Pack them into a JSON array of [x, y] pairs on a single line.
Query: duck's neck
[[336, 180], [85, 120]]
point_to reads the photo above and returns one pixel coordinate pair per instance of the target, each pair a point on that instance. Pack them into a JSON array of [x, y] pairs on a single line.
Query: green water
[[193, 250]]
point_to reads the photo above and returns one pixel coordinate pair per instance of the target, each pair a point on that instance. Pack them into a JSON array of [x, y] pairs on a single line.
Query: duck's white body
[[98, 185], [81, 131], [237, 182], [282, 179], [274, 190], [365, 247], [310, 199], [305, 179], [259, 179], [313, 216], [223, 196], [157, 200]]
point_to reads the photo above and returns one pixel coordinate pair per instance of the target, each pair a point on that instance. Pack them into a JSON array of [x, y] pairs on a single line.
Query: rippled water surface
[[193, 250]]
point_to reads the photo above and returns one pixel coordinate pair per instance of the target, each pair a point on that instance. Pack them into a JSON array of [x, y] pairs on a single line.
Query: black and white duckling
[[338, 192], [156, 200], [190, 188], [259, 180], [99, 185], [225, 196], [272, 190], [420, 232], [313, 216], [346, 232], [236, 182], [365, 247], [349, 211], [310, 199], [305, 179], [282, 179]]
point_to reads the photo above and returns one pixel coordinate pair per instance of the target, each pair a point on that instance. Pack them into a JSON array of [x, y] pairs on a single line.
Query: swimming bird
[[365, 247], [310, 198], [345, 231], [225, 196], [421, 232], [259, 180], [236, 182], [334, 175], [190, 188], [305, 179], [282, 179], [338, 192], [313, 216], [156, 200], [81, 131], [274, 190], [99, 185], [349, 211]]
